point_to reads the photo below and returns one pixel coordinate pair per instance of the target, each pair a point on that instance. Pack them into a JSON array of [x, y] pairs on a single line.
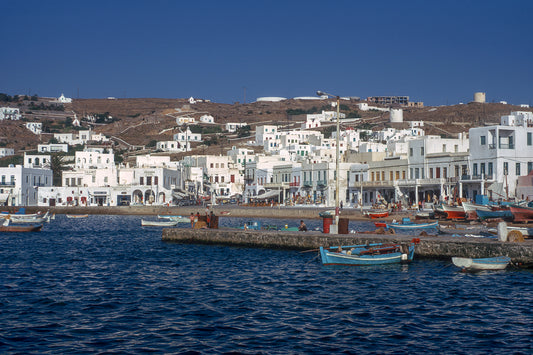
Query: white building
[[234, 126], [40, 161], [187, 137], [265, 133], [19, 185], [185, 120], [499, 155], [241, 156], [80, 137], [63, 99], [10, 113], [35, 127], [5, 152], [207, 119], [171, 146], [52, 148]]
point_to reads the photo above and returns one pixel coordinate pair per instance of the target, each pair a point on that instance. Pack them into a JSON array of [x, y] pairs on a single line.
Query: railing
[[308, 184], [7, 183], [322, 183], [294, 184], [506, 146]]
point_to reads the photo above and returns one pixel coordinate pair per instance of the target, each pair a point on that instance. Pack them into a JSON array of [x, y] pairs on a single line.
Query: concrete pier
[[435, 247]]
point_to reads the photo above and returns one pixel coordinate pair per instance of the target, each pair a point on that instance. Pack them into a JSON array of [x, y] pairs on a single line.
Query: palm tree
[[57, 164]]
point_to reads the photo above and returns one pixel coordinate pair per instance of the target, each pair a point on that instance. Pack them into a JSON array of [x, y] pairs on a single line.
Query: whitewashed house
[[35, 127], [5, 152], [232, 127], [64, 100], [52, 148], [40, 161], [10, 113], [499, 155], [207, 119], [19, 185]]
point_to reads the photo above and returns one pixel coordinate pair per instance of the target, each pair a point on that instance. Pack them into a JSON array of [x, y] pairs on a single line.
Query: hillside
[[138, 122]]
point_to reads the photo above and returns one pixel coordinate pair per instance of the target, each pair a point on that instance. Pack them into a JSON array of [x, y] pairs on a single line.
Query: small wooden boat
[[77, 215], [26, 218], [454, 212], [462, 229], [496, 214], [521, 213], [370, 254], [225, 213], [376, 214], [146, 223], [408, 224], [495, 263], [20, 228], [179, 219], [380, 224]]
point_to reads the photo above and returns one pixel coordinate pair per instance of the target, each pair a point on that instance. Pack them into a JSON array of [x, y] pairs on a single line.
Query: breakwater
[[436, 247]]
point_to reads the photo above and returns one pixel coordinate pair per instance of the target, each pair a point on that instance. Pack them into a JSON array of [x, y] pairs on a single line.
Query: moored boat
[[470, 209], [408, 224], [20, 228], [179, 219], [370, 254], [506, 215], [521, 213], [77, 215], [26, 218], [454, 212], [462, 229], [146, 223], [494, 263], [376, 214]]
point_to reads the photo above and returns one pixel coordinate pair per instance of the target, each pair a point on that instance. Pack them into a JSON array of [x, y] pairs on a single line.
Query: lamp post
[[337, 155]]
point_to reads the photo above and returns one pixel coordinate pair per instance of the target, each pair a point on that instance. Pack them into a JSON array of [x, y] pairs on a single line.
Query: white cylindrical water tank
[[479, 97], [396, 115]]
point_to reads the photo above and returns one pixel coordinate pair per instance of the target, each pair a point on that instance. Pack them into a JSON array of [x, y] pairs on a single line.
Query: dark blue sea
[[105, 284]]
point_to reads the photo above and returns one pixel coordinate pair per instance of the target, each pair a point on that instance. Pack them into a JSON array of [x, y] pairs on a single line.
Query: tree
[[57, 164]]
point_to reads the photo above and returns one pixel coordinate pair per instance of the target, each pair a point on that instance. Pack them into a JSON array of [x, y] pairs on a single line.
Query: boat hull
[[454, 212], [496, 263], [18, 229], [503, 214], [521, 214], [374, 215], [145, 223], [367, 255], [414, 225]]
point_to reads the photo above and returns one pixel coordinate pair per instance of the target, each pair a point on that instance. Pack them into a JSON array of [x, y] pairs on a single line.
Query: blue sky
[[439, 52]]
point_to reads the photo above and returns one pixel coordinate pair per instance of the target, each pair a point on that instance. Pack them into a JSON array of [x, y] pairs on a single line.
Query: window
[[474, 169], [141, 180], [156, 180], [445, 173], [517, 169], [483, 140], [422, 151], [529, 138], [417, 173], [482, 167], [529, 166], [444, 148], [431, 173], [148, 180], [410, 152]]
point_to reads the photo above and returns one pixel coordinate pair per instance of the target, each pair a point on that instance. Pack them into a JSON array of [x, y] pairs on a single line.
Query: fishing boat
[[454, 212], [146, 223], [26, 218], [179, 219], [20, 228], [380, 224], [506, 215], [408, 224], [495, 263], [521, 213], [370, 254], [470, 209], [77, 215], [376, 214], [462, 229]]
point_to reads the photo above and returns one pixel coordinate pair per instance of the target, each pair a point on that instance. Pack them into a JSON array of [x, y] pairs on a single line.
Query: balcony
[[7, 183], [322, 183], [506, 146], [294, 184], [308, 184]]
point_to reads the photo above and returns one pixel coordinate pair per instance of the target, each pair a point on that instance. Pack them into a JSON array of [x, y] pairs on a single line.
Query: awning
[[268, 194], [178, 195], [3, 198]]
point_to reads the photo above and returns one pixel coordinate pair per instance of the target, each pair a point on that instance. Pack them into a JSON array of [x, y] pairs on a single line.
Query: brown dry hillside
[[140, 121]]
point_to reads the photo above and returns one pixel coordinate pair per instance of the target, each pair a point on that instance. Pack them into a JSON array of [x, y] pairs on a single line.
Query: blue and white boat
[[503, 214], [494, 263], [408, 224], [371, 254]]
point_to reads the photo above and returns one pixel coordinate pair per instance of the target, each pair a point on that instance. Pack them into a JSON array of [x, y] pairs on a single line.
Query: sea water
[[104, 284]]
